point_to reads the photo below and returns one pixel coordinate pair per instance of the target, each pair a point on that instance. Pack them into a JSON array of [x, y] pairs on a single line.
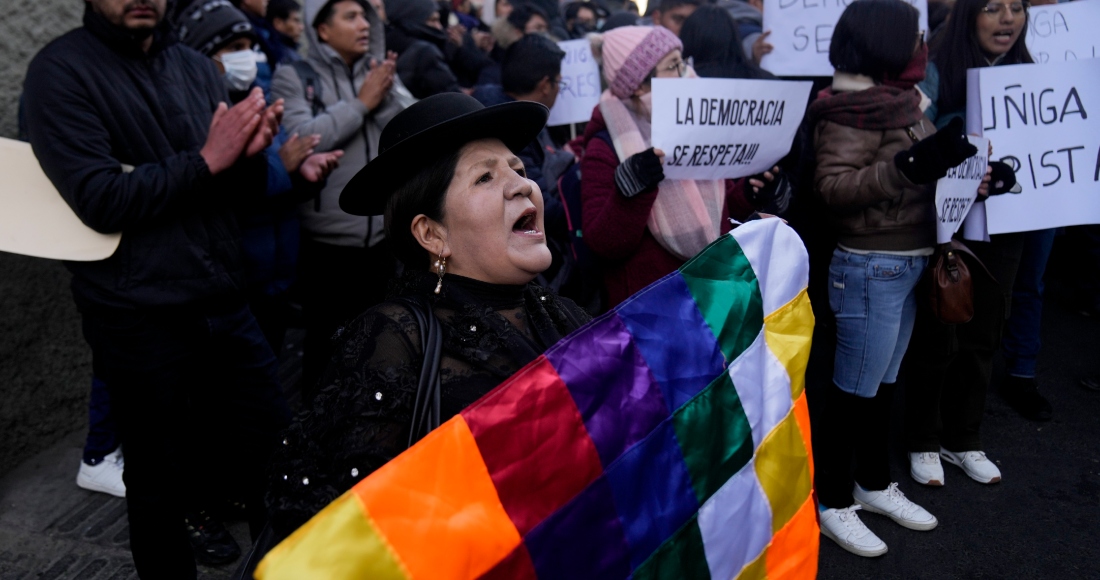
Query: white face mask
[[240, 69]]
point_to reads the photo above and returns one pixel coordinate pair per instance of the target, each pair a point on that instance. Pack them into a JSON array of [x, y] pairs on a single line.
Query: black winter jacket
[[118, 132]]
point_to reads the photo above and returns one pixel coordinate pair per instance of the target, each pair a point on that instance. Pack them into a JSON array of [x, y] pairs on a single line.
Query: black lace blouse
[[361, 415]]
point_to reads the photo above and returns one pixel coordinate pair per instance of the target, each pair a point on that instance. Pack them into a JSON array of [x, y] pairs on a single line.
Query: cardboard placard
[[801, 31], [1062, 32], [580, 85], [1044, 121], [956, 192], [35, 220], [725, 128]]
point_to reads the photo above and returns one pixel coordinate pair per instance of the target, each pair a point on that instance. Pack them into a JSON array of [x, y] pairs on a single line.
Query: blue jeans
[[873, 297], [1021, 339]]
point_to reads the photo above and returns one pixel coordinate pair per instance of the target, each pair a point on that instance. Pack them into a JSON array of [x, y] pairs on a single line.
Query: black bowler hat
[[429, 128]]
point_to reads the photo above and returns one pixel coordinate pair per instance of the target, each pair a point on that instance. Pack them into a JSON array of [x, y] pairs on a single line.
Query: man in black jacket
[[134, 132]]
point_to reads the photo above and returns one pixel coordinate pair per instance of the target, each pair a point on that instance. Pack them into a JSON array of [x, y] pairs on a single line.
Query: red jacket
[[615, 226]]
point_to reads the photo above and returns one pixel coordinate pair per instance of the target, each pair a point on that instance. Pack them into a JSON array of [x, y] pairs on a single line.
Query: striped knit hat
[[631, 52]]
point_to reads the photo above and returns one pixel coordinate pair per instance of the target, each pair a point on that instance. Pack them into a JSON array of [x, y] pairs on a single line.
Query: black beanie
[[210, 25]]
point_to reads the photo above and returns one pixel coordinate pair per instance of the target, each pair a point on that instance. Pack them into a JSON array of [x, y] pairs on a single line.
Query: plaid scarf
[[895, 104], [687, 214]]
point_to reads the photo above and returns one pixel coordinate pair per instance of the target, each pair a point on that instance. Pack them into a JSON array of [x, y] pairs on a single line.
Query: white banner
[[725, 128], [1061, 32], [34, 218], [580, 85], [956, 192], [801, 31], [1044, 121]]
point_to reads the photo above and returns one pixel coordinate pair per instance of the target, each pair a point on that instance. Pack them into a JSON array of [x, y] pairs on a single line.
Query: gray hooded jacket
[[344, 124]]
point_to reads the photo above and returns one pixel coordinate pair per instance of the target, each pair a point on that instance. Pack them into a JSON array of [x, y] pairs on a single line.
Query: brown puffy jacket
[[873, 205]]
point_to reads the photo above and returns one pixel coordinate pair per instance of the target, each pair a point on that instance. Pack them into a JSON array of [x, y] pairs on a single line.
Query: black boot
[[1022, 394], [210, 541]]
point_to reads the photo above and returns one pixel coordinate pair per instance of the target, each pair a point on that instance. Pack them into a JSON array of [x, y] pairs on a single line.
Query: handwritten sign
[[802, 31], [956, 192], [580, 85], [725, 128], [1044, 121], [1061, 32]]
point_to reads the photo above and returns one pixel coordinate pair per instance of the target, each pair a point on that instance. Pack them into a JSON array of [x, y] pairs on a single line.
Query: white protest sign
[[956, 192], [1061, 32], [725, 128], [1043, 121], [801, 31], [34, 218], [580, 85]]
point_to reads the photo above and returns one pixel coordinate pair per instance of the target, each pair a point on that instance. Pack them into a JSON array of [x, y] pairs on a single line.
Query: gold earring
[[440, 269]]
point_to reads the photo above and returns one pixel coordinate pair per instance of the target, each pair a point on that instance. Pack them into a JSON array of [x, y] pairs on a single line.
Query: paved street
[[1042, 521]]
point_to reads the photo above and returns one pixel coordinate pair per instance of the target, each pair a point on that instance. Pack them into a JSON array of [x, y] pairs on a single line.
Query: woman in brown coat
[[878, 158]]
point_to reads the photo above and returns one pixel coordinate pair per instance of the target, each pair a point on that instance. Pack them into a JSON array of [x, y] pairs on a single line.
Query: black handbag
[[425, 415]]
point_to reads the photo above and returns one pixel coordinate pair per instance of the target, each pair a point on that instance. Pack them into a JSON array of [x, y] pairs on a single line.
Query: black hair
[[666, 5], [874, 38], [574, 8], [527, 62], [423, 193], [956, 49], [711, 39], [324, 15], [522, 13], [282, 9]]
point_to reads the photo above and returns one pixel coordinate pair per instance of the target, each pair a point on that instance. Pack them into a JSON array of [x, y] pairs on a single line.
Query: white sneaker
[[105, 476], [893, 504], [974, 464], [845, 528], [925, 468]]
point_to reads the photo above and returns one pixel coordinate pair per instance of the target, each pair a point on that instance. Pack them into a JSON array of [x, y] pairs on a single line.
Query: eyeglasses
[[995, 8], [681, 67]]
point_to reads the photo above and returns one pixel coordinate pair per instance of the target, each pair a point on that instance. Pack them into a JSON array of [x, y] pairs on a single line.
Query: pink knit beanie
[[631, 52]]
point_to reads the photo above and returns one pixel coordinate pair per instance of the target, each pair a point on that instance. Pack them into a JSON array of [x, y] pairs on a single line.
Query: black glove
[[1003, 179], [930, 159], [639, 172], [774, 198]]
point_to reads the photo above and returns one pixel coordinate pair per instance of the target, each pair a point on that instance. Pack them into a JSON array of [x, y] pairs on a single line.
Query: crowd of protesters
[[218, 135]]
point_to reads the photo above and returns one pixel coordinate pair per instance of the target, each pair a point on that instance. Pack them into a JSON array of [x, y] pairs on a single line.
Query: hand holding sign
[[957, 191]]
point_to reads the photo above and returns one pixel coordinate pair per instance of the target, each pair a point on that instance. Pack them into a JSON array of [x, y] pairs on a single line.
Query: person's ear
[[545, 86], [431, 235], [322, 32]]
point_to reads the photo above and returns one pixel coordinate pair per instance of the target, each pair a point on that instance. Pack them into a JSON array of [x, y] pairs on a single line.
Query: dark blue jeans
[[198, 405], [102, 430], [1021, 340]]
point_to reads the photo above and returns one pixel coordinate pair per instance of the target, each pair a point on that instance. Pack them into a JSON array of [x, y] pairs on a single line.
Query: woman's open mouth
[[527, 224], [1004, 36]]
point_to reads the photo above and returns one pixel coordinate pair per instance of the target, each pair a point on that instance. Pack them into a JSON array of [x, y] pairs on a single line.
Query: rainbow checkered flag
[[669, 438]]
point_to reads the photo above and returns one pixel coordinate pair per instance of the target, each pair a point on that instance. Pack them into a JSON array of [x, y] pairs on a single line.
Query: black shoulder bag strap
[[425, 415], [311, 85]]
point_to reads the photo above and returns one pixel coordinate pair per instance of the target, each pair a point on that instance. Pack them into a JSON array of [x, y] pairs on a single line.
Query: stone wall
[[25, 27]]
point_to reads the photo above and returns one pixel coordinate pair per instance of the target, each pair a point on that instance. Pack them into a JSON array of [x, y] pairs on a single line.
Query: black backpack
[[311, 85]]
